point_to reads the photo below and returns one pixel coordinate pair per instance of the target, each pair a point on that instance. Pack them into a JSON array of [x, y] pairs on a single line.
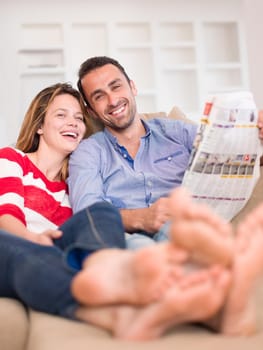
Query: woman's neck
[[50, 166]]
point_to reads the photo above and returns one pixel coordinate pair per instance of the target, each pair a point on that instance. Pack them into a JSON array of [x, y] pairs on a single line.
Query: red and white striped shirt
[[28, 195]]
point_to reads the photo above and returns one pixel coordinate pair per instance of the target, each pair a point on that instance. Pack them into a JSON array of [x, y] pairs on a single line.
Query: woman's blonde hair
[[28, 138]]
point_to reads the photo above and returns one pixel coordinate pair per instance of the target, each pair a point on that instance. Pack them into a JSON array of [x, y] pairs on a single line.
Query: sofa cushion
[[14, 325], [52, 333]]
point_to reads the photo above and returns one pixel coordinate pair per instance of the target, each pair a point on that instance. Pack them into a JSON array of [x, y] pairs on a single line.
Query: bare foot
[[194, 298], [190, 301], [121, 276], [197, 229], [239, 314]]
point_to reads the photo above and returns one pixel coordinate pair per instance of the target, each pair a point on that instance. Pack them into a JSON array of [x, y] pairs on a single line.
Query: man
[[133, 164]]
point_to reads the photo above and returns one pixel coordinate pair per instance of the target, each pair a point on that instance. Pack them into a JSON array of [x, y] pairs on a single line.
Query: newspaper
[[224, 163]]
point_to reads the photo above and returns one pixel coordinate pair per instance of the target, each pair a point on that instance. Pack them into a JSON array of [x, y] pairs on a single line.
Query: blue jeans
[[40, 276], [143, 239]]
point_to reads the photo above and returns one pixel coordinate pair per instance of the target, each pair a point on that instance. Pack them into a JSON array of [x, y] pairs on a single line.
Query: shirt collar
[[114, 140]]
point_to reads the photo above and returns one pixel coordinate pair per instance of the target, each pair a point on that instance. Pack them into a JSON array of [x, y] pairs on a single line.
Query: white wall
[[14, 12], [252, 13]]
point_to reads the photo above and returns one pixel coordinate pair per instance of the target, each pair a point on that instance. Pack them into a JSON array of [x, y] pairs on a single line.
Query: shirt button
[[125, 155], [169, 158]]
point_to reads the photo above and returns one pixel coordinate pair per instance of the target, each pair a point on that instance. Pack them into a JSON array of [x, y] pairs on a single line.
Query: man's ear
[[133, 88]]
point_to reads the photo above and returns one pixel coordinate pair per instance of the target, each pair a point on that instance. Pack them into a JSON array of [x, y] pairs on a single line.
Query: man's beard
[[125, 125]]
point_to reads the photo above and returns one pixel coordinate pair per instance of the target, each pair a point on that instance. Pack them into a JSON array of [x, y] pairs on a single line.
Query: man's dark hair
[[93, 63]]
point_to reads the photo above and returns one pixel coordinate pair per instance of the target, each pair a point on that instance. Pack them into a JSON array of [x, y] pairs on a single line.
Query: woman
[[53, 127], [43, 247]]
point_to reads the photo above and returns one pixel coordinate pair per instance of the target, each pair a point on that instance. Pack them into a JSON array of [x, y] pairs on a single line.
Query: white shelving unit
[[223, 61], [133, 46], [178, 76], [173, 62], [41, 58]]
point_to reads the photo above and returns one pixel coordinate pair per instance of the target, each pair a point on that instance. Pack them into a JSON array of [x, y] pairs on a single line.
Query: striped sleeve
[[11, 184]]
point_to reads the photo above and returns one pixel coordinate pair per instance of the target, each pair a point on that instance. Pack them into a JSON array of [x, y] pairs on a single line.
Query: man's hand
[[260, 124], [146, 219], [157, 215]]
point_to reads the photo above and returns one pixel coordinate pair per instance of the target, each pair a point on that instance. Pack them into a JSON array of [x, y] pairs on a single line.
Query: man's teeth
[[118, 111]]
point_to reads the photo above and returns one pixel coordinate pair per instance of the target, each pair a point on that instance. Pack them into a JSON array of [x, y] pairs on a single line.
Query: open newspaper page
[[224, 164]]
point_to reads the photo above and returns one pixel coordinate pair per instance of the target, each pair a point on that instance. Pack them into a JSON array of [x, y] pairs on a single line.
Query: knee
[[106, 211]]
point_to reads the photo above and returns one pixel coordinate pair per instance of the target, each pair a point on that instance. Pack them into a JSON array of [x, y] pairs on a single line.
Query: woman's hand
[[46, 237]]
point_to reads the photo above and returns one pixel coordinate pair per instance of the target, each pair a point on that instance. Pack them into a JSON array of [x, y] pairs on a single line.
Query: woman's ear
[[40, 131]]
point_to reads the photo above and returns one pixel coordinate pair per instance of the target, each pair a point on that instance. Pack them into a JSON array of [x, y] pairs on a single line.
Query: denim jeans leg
[[163, 234], [136, 241], [96, 227], [39, 276], [141, 240], [36, 275]]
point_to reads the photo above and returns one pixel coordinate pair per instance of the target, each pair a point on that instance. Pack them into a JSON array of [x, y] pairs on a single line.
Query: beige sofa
[[22, 329]]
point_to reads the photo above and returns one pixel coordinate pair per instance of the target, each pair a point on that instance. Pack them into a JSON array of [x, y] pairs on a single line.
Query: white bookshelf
[[173, 62], [224, 69]]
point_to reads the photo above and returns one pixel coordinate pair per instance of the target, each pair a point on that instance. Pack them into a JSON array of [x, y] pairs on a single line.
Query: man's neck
[[130, 138]]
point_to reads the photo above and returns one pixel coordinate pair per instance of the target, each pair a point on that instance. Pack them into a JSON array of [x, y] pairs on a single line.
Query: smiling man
[[133, 164]]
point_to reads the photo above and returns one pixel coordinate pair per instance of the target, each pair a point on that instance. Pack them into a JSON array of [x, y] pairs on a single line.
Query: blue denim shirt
[[102, 170]]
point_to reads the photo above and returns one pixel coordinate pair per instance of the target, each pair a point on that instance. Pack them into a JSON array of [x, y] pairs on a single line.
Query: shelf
[[184, 55], [31, 84], [223, 66], [41, 34], [223, 79], [147, 92], [139, 64], [134, 46], [132, 33], [87, 39], [180, 67], [171, 62], [178, 44], [221, 42], [179, 88], [43, 71], [41, 59], [171, 32], [146, 103], [37, 49], [230, 88]]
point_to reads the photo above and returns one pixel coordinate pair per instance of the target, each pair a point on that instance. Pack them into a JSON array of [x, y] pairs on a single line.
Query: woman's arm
[[14, 226]]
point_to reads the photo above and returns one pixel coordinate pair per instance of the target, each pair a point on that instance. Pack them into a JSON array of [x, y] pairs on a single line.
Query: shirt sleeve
[[181, 131], [85, 180], [189, 133], [11, 184]]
